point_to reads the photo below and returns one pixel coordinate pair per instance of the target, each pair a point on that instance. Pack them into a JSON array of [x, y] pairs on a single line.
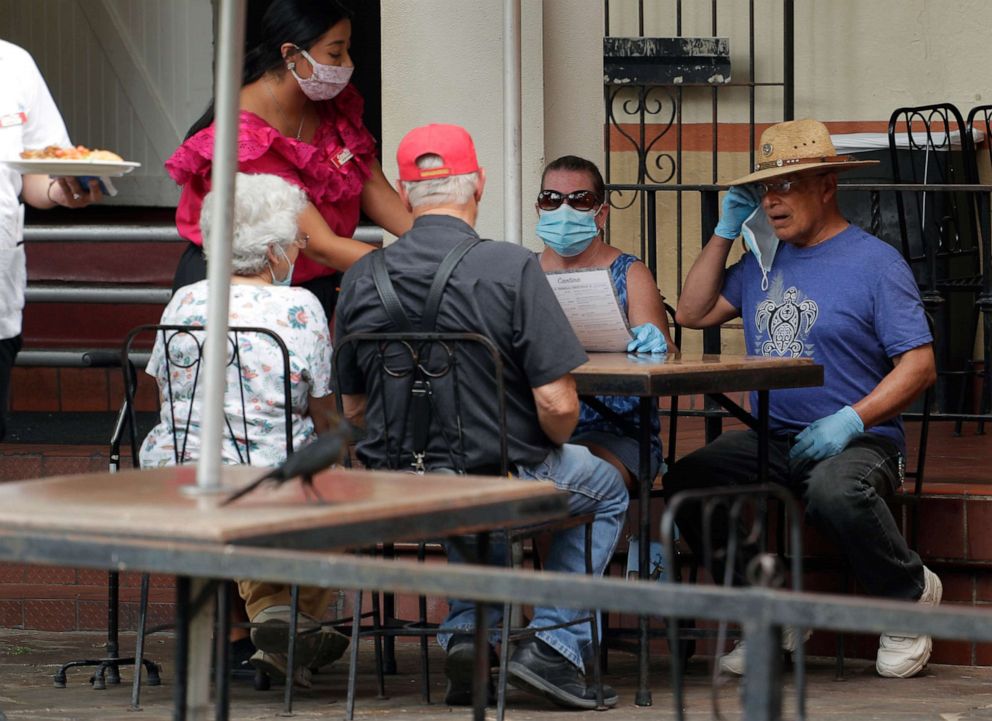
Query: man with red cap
[[815, 286], [497, 290]]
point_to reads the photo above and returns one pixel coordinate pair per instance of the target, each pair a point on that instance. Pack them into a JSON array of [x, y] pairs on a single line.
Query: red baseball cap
[[451, 142]]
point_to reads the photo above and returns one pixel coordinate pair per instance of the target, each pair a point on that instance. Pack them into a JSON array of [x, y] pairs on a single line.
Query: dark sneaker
[[270, 633], [459, 666], [537, 668], [274, 665], [241, 652], [331, 645]]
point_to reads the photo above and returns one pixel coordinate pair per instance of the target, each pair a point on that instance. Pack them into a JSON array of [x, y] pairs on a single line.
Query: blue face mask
[[566, 230], [288, 280], [760, 239]]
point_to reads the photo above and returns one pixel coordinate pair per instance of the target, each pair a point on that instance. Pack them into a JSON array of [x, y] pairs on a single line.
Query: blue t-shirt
[[850, 303]]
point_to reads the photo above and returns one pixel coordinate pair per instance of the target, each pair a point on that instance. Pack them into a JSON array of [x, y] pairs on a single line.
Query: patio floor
[[28, 658]]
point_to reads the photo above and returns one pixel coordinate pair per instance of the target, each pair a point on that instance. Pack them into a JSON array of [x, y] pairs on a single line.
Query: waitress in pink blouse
[[300, 120]]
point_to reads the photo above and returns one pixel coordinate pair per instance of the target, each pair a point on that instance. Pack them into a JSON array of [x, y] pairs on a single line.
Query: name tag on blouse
[[9, 121], [341, 157]]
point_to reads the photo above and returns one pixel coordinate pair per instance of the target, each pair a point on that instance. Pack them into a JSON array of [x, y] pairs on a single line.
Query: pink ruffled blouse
[[332, 168]]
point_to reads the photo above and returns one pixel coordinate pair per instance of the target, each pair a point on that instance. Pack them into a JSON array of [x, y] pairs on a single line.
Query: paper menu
[[591, 305]]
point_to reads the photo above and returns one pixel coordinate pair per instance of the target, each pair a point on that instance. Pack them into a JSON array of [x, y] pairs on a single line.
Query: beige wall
[[442, 61], [573, 78]]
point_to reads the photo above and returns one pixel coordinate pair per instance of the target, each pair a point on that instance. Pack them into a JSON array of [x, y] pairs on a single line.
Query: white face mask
[[760, 239], [325, 81]]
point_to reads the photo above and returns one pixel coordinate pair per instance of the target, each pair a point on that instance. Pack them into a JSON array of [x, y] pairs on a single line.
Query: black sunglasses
[[581, 200]]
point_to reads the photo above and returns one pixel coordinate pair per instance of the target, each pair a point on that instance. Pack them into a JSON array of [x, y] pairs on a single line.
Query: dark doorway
[[366, 52]]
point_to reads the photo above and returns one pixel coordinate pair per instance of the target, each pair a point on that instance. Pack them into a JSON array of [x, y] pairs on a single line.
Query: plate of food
[[77, 161]]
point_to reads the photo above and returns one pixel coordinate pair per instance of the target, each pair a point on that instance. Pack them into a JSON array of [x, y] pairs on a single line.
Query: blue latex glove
[[739, 202], [647, 339], [827, 436]]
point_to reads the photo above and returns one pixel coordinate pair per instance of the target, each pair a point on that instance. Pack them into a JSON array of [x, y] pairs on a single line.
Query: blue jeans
[[593, 486]]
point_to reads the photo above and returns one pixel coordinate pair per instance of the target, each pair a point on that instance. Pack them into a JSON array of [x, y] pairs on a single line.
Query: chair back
[[418, 396], [940, 226], [182, 347]]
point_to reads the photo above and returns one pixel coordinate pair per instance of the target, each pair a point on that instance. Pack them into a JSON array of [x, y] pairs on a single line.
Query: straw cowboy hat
[[796, 146]]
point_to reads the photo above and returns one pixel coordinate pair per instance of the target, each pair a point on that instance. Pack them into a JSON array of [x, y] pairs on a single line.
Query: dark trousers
[[192, 268], [8, 352], [844, 497]]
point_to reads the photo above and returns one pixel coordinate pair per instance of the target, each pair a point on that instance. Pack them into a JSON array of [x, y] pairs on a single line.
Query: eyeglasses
[[783, 188], [302, 241], [581, 200]]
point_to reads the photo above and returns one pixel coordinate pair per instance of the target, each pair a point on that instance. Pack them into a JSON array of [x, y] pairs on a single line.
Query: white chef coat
[[29, 119]]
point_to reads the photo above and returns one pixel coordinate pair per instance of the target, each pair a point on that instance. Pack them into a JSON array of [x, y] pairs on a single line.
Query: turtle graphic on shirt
[[787, 323]]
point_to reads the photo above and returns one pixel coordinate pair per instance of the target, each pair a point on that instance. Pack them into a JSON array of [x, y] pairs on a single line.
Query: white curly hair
[[266, 213]]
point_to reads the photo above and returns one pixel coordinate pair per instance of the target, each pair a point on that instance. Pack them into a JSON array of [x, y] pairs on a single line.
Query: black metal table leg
[[643, 696], [222, 651], [182, 647], [294, 614], [113, 617], [480, 678]]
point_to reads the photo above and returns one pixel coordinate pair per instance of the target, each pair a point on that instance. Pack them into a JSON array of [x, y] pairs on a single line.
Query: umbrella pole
[[230, 52], [512, 187]]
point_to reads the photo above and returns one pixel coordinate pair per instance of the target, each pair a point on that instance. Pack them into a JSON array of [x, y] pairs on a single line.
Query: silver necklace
[[303, 114]]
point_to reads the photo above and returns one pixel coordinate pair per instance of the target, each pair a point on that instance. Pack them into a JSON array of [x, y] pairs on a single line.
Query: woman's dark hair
[[574, 163], [299, 22]]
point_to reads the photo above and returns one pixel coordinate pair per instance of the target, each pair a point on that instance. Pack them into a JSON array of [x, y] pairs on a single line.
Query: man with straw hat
[[815, 286]]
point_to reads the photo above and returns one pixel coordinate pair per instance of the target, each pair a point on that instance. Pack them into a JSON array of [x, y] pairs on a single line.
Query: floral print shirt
[[298, 318]]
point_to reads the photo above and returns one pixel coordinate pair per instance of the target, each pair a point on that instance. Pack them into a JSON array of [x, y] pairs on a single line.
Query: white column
[[512, 164]]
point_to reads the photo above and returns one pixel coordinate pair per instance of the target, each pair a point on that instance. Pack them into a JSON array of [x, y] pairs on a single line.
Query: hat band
[[783, 162]]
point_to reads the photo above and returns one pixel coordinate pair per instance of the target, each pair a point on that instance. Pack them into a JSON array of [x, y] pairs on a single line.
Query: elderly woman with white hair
[[265, 245]]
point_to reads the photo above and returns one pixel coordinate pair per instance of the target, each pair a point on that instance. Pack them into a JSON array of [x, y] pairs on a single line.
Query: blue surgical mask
[[760, 239], [288, 280], [566, 230]]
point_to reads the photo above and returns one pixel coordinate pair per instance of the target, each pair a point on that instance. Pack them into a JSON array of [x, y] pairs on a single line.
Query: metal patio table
[[650, 377], [50, 520]]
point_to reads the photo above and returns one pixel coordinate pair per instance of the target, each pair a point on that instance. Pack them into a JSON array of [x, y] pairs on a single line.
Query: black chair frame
[[171, 334], [420, 376]]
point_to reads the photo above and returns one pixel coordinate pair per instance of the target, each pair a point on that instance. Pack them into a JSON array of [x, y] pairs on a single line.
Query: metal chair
[[107, 669], [939, 232], [744, 512], [183, 355], [980, 120], [425, 433]]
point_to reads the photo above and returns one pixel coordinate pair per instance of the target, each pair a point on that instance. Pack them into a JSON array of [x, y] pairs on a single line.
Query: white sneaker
[[902, 655], [734, 663]]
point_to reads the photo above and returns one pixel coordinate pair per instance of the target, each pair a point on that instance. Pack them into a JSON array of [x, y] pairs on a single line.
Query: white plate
[[96, 168]]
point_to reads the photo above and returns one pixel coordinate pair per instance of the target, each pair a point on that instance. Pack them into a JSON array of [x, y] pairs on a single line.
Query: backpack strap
[[391, 302], [428, 321], [419, 413], [387, 294]]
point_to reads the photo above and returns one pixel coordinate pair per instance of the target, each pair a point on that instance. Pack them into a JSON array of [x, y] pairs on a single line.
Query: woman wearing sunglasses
[[572, 213]]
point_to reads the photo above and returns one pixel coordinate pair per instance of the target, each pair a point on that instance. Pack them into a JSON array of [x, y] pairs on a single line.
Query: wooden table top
[[361, 507], [685, 374]]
